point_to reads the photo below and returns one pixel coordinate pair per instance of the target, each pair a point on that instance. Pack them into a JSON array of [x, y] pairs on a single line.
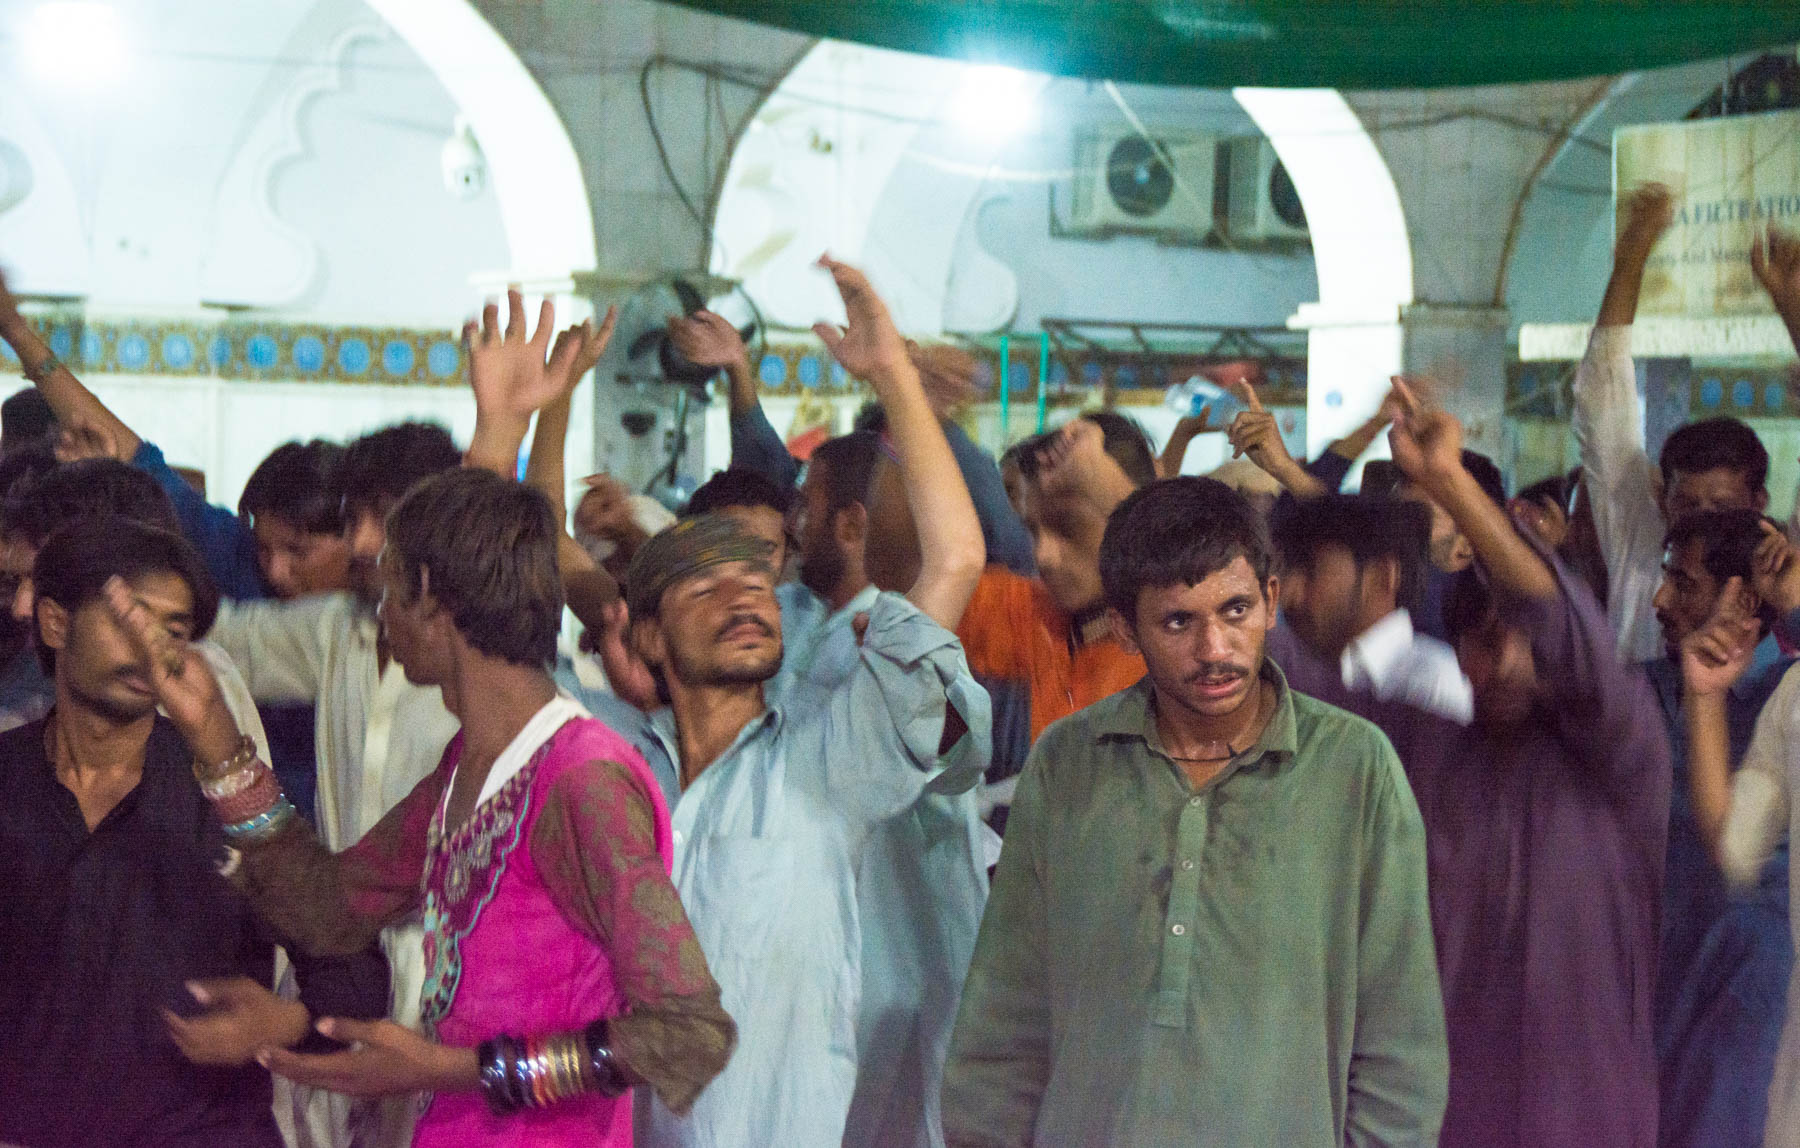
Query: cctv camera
[[464, 167]]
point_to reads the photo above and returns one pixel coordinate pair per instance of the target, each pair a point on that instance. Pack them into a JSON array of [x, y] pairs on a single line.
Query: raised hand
[[707, 340], [9, 304], [181, 681], [85, 440], [1254, 432], [605, 510], [514, 375], [1775, 257], [384, 1059], [870, 346], [241, 1019], [1776, 570], [1426, 441], [588, 342], [1717, 654], [1649, 210]]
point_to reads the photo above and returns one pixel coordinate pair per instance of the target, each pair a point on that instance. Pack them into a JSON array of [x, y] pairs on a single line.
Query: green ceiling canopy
[[1297, 43]]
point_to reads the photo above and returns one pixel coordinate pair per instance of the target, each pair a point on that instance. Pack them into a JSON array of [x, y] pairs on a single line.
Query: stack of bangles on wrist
[[245, 794], [519, 1072]]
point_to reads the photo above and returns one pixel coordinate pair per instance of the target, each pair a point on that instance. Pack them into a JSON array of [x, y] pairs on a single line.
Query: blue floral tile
[[134, 352], [397, 358], [177, 351], [309, 354], [353, 357], [443, 359], [262, 352]]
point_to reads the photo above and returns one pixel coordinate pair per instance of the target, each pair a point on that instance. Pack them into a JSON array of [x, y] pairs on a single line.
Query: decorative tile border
[[251, 351], [1541, 389], [805, 368]]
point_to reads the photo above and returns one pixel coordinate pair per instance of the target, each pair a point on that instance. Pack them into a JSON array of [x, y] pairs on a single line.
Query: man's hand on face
[[1716, 655]]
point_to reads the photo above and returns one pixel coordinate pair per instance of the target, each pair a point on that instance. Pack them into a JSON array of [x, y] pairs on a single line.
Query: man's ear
[[1762, 500], [850, 524], [647, 641], [1381, 578], [1124, 631], [52, 623], [1272, 599]]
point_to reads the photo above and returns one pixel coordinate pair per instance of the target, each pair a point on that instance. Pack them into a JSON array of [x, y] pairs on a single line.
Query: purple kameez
[[1546, 858]]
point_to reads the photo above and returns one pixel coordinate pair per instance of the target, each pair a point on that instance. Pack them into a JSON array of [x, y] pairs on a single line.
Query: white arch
[[1361, 251], [536, 174]]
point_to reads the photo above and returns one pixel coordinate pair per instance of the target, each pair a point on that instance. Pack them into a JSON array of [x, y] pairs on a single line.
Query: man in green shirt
[[1209, 925]]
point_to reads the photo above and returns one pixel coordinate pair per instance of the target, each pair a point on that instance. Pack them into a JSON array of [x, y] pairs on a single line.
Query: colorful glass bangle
[[263, 825], [231, 784], [245, 756]]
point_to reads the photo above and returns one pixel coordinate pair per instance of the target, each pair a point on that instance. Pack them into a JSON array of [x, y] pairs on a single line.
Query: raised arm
[[1775, 258], [1174, 452], [1713, 658], [546, 468], [328, 904], [708, 340], [950, 547], [1609, 417], [73, 404], [1427, 446]]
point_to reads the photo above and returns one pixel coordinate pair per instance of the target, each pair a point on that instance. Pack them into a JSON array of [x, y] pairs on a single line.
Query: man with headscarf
[[777, 801]]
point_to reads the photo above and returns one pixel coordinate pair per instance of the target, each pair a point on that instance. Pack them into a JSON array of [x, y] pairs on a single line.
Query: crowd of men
[[930, 798]]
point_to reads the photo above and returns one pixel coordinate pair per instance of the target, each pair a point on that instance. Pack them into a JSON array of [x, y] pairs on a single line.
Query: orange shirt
[[1014, 630]]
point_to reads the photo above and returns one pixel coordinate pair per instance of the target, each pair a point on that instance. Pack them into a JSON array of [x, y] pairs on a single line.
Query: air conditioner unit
[[1261, 204], [1127, 183]]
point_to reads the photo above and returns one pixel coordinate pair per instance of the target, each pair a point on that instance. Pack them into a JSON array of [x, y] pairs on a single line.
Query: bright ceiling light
[[995, 102], [75, 43]]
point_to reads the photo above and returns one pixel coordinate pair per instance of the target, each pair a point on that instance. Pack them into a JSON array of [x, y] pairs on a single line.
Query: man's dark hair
[[297, 483], [485, 548], [25, 418], [77, 560], [1370, 527], [847, 464], [25, 465], [1552, 491], [1712, 444], [91, 488], [382, 466], [1468, 604], [738, 487], [1728, 540], [1486, 475], [1380, 477], [1177, 532]]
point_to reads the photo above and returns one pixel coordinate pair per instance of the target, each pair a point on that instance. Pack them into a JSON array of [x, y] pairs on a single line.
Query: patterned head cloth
[[684, 550]]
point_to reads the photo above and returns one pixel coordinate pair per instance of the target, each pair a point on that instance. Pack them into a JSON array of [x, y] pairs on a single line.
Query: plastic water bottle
[[1196, 394]]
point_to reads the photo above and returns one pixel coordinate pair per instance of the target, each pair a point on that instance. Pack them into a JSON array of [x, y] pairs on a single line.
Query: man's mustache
[[737, 620], [1216, 670]]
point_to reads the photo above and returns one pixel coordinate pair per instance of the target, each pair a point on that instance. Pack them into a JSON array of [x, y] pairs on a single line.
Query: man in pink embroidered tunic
[[561, 967]]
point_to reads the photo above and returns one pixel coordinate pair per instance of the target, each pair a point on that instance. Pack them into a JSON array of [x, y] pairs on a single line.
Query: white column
[[1360, 251]]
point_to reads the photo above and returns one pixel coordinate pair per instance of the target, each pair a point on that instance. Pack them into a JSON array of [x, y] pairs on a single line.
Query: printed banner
[[1732, 178]]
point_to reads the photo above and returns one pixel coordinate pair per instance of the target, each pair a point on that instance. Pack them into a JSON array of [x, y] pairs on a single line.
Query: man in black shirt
[[115, 919]]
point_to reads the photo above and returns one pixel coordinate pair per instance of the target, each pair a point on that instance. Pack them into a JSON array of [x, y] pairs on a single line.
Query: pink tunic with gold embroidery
[[502, 958]]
